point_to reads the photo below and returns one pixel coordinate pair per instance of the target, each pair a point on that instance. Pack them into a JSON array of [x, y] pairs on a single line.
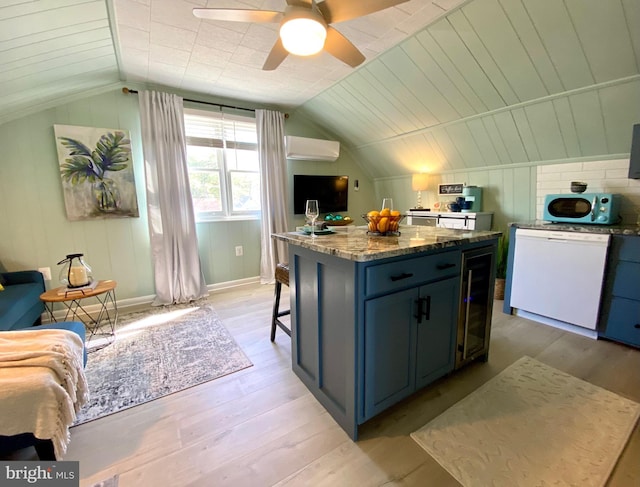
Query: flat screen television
[[330, 191]]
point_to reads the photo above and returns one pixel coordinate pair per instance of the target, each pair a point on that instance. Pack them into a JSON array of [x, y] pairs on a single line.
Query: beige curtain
[[273, 177], [172, 227]]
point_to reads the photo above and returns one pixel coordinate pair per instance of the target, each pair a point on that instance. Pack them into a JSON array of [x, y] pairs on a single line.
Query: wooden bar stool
[[282, 277]]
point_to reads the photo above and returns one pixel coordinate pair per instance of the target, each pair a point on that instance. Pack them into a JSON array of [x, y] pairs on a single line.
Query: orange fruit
[[395, 213], [383, 224], [373, 214], [373, 227], [385, 212]]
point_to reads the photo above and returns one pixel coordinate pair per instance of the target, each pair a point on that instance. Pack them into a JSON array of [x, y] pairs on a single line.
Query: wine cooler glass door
[[475, 305]]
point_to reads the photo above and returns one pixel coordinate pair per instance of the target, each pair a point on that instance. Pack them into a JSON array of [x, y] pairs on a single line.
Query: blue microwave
[[594, 208]]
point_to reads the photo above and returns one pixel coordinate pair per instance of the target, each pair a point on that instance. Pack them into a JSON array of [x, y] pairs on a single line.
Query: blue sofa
[[20, 305]]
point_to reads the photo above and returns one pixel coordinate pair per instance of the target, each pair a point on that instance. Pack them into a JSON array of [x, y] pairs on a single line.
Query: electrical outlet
[[46, 273], [239, 250]]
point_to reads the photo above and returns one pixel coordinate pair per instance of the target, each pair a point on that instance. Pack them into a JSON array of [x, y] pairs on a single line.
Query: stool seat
[[282, 277], [282, 273]]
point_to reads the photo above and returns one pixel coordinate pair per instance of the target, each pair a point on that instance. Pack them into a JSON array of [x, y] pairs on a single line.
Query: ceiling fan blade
[[238, 14], [341, 10], [276, 56], [340, 47]]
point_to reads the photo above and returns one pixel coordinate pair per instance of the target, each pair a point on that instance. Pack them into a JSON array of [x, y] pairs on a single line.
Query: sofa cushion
[[16, 301]]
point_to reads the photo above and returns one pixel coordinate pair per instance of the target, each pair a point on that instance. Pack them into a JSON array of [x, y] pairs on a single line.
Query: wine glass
[[312, 213], [387, 203]]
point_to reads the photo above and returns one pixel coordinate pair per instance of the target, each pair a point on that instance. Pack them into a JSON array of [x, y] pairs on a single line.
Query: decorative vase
[[107, 195], [499, 289]]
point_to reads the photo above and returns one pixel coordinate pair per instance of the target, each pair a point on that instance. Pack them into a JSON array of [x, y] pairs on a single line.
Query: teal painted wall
[[510, 192], [35, 230], [360, 201]]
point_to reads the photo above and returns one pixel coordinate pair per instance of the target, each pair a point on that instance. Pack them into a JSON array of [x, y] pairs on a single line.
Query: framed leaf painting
[[97, 172]]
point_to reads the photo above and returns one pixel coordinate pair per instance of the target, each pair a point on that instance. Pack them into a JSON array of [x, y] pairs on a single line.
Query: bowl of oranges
[[384, 222]]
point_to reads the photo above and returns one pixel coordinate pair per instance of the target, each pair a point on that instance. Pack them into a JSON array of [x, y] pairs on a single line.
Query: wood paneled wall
[[36, 233]]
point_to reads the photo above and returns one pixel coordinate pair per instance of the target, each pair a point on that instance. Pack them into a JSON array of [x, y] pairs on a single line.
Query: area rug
[[156, 353], [531, 425]]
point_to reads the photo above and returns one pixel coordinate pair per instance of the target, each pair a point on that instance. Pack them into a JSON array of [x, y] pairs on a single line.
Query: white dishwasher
[[558, 276]]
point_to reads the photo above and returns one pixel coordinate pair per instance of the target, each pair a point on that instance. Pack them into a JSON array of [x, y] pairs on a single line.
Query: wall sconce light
[[419, 183]]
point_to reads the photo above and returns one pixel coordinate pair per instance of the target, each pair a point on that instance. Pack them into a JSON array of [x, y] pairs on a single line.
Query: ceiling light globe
[[303, 37]]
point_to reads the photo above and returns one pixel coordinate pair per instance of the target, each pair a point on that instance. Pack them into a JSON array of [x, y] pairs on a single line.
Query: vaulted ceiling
[[448, 84], [52, 50], [495, 82]]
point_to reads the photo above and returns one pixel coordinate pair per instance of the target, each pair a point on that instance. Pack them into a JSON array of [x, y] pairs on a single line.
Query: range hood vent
[[306, 149]]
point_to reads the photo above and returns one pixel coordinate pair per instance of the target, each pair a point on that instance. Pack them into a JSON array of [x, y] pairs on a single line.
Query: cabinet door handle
[[419, 308], [427, 313], [442, 267], [399, 277]]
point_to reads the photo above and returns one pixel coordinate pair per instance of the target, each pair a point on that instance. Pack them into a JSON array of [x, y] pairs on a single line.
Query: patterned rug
[[155, 353], [531, 425]]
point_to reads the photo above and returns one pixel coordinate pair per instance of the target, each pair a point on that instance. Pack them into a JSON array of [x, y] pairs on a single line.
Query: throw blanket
[[42, 384]]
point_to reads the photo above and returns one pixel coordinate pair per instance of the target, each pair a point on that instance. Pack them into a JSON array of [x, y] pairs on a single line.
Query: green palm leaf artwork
[[96, 171]]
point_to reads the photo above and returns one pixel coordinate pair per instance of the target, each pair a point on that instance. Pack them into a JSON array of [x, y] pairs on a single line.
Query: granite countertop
[[574, 227], [353, 243]]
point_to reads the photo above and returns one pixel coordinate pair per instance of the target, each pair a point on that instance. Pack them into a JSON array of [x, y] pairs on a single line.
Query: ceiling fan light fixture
[[303, 36]]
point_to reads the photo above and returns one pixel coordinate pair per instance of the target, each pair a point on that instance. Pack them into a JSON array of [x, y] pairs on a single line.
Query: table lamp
[[75, 272], [419, 183]]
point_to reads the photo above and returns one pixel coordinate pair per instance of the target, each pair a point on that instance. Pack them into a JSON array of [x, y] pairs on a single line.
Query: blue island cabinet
[[367, 334], [620, 309]]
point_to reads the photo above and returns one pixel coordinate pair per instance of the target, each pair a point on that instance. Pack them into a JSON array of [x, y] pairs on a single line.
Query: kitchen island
[[376, 318]]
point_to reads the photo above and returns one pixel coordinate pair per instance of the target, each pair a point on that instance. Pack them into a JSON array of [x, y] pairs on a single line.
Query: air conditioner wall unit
[[306, 149]]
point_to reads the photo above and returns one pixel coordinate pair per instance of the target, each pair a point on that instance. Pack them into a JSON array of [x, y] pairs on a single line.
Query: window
[[224, 171]]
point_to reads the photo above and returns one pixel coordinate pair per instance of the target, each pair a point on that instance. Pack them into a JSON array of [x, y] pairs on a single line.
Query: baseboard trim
[[247, 281], [128, 303]]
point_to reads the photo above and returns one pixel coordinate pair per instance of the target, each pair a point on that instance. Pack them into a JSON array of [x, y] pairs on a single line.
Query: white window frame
[[226, 196]]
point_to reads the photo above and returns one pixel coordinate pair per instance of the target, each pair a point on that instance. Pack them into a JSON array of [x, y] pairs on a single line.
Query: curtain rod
[[126, 91]]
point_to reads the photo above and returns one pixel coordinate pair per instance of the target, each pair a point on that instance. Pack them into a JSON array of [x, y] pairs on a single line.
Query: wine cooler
[[476, 305]]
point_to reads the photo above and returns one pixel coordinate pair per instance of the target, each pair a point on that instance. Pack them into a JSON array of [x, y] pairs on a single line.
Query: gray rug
[[156, 353]]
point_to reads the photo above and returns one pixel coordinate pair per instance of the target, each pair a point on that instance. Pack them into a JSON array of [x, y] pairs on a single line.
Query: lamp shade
[[302, 36], [420, 182]]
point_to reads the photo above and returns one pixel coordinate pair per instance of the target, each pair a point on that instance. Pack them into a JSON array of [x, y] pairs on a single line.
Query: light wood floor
[[261, 427]]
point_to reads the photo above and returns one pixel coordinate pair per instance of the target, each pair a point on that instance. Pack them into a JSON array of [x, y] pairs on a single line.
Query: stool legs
[[277, 314]]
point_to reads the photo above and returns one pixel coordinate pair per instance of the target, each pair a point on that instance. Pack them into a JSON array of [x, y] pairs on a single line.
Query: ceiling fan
[[305, 26]]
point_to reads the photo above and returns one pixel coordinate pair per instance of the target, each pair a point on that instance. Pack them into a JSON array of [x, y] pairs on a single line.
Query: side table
[[104, 324]]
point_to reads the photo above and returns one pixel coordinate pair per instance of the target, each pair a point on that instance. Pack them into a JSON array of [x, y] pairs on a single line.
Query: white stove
[[451, 219]]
